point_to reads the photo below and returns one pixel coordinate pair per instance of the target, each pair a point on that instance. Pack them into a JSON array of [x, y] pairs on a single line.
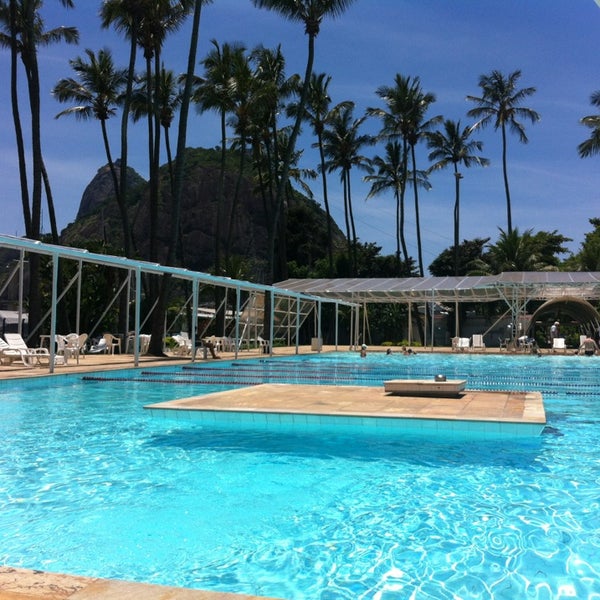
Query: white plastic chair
[[112, 342], [559, 344]]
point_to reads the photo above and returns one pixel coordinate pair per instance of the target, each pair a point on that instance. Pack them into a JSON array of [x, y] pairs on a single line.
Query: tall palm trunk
[[157, 321], [123, 190], [326, 202], [17, 121], [456, 219], [50, 203], [235, 200], [29, 57], [352, 226], [505, 174], [417, 219], [402, 193], [347, 217]]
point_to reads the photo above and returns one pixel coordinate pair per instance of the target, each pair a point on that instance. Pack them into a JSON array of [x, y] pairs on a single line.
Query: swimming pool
[[91, 484]]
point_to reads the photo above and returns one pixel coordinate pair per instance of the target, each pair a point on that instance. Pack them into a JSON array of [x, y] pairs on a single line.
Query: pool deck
[[512, 407]]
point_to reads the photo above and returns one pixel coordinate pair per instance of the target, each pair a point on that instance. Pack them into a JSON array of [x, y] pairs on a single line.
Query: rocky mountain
[[98, 221]]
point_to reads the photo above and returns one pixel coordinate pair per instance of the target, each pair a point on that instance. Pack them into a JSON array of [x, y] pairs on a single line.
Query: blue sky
[[448, 44]]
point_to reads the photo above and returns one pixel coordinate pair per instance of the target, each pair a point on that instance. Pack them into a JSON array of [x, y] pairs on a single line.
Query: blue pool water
[[91, 484]]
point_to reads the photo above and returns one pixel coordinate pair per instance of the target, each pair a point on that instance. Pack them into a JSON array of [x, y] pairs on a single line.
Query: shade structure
[[532, 285]]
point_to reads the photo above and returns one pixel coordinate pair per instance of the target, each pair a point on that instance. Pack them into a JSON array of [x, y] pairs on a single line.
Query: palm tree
[[125, 16], [453, 147], [96, 93], [168, 95], [213, 91], [514, 252], [147, 24], [591, 146], [404, 118], [24, 33], [311, 13], [419, 127], [390, 176], [341, 145], [500, 104], [317, 113]]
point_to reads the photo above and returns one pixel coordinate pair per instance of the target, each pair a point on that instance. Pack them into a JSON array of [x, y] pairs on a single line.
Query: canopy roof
[[532, 285]]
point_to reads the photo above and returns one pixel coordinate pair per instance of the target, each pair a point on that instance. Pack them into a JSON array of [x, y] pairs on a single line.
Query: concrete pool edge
[[29, 584]]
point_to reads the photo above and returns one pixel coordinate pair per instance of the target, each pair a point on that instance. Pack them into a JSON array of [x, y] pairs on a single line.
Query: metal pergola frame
[[135, 270]]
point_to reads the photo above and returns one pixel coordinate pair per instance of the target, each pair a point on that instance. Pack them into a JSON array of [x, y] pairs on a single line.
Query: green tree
[[452, 146], [588, 258], [472, 260], [500, 104], [591, 146]]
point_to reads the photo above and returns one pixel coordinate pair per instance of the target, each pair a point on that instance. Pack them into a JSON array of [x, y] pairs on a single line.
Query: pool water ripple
[[90, 484]]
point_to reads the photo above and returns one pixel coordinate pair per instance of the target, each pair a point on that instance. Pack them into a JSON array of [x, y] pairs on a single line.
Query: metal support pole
[[236, 339], [21, 277], [54, 294], [138, 302], [272, 324], [297, 324], [319, 329], [337, 325], [195, 286]]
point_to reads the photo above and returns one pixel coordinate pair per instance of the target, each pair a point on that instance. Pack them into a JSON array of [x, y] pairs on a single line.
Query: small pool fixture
[[439, 377]]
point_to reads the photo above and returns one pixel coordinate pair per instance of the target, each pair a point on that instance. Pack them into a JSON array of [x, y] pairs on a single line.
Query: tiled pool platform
[[368, 408]]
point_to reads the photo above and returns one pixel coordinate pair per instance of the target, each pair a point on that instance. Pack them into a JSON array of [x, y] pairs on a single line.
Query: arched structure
[[576, 309]]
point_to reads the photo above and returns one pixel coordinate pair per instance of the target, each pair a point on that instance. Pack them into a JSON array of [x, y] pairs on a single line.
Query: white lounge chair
[[184, 345], [559, 344], [9, 355], [460, 344], [99, 347], [477, 342], [36, 355]]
